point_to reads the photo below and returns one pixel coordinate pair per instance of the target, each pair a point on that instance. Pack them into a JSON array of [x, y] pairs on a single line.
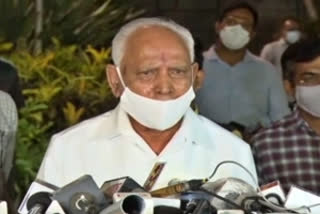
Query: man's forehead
[[311, 66], [241, 13], [291, 24]]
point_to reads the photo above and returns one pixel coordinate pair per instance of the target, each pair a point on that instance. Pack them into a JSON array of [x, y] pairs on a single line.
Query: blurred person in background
[[239, 87], [289, 150], [290, 32]]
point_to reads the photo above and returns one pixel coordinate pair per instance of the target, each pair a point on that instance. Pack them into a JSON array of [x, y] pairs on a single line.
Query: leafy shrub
[[62, 86]]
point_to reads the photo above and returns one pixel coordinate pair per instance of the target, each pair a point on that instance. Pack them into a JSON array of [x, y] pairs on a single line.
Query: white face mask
[[308, 98], [155, 114], [234, 37], [293, 36]]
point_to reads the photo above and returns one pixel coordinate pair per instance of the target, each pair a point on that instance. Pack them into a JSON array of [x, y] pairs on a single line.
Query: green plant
[[62, 86], [79, 22]]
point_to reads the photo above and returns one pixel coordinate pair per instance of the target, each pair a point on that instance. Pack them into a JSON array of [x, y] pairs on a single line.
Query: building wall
[[200, 15]]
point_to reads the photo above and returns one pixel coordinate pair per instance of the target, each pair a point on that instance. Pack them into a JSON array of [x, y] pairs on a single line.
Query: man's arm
[[267, 53], [278, 102]]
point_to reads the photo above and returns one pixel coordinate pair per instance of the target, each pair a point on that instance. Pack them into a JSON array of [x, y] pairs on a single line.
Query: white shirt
[[107, 147], [273, 51]]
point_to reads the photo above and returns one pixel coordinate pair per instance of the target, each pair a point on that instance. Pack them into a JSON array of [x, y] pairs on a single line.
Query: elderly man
[[239, 87], [153, 74], [289, 150]]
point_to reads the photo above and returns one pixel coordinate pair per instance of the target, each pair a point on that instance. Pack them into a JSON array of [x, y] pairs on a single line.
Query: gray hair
[[120, 40]]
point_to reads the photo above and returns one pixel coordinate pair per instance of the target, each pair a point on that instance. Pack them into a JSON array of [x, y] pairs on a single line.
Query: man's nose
[[164, 85]]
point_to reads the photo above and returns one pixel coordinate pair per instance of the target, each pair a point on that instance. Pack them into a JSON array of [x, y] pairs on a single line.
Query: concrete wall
[[200, 15]]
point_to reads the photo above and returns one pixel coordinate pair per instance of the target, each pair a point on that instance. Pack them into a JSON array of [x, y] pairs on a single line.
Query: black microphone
[[38, 203], [167, 210], [36, 186], [81, 196]]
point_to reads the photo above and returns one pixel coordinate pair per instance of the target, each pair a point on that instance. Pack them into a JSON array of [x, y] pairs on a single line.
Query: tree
[[36, 22]]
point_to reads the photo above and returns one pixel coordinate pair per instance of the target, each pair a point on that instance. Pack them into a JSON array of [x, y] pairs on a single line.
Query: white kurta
[[107, 147]]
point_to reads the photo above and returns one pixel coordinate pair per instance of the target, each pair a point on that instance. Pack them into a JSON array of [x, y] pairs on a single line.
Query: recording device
[[38, 203], [231, 189], [81, 196], [36, 186], [123, 184]]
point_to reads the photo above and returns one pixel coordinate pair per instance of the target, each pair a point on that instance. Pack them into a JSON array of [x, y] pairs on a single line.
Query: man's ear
[[196, 74], [199, 80], [217, 27], [253, 34], [289, 88], [114, 80]]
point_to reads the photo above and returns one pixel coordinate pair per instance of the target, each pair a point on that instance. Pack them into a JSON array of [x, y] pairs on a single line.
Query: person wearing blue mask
[[153, 75], [239, 87]]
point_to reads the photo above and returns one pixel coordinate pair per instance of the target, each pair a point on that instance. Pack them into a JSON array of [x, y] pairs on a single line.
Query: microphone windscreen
[[36, 186], [42, 198]]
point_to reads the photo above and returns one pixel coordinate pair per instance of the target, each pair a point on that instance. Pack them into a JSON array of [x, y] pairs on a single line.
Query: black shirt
[[9, 82]]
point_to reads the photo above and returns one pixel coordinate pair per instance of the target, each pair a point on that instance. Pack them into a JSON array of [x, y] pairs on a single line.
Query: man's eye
[[146, 72], [308, 76], [177, 72]]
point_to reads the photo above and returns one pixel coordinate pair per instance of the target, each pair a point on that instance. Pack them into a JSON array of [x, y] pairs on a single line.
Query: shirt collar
[[211, 54], [123, 125], [300, 121]]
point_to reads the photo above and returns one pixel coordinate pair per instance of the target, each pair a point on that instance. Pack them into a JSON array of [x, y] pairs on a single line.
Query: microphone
[[123, 184], [38, 203], [36, 186], [194, 184], [227, 193], [81, 196], [130, 203], [167, 210]]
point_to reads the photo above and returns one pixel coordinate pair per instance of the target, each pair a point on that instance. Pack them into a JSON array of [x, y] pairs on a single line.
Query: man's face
[[239, 16], [156, 64], [308, 74], [290, 25]]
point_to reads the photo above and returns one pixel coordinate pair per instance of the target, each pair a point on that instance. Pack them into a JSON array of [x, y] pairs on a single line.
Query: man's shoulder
[[94, 128], [264, 65], [7, 66], [275, 131], [273, 44], [215, 134]]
